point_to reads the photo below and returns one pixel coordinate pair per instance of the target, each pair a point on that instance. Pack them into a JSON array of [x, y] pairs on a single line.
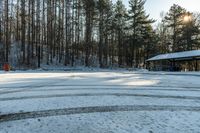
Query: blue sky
[[155, 7]]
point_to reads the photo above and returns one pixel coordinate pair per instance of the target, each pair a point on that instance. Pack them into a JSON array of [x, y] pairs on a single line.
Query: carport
[[173, 58]]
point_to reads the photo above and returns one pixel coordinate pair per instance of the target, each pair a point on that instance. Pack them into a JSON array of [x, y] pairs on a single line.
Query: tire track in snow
[[116, 89], [99, 94], [42, 86], [167, 74], [95, 109]]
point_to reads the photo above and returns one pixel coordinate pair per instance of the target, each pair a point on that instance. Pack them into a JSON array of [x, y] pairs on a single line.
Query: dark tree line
[[179, 30], [91, 33]]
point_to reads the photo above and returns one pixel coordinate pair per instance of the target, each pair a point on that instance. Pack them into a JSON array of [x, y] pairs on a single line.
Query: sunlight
[[187, 18]]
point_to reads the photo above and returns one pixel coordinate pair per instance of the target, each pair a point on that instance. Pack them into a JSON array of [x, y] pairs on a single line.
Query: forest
[[91, 33]]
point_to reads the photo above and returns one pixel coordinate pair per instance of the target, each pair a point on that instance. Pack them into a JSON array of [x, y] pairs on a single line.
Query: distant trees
[[180, 30], [91, 33], [6, 29], [163, 33], [190, 31], [137, 23], [23, 29], [119, 25], [89, 7], [1, 22], [174, 19], [105, 16]]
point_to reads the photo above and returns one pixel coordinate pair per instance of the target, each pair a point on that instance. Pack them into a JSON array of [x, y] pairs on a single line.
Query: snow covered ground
[[101, 101]]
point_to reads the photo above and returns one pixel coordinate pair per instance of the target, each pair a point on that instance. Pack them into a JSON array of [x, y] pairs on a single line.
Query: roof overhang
[[178, 56]]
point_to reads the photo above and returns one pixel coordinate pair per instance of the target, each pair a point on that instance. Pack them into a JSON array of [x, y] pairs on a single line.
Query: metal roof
[[177, 55]]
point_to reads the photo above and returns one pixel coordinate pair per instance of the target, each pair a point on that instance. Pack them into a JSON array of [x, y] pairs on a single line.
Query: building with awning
[[172, 59]]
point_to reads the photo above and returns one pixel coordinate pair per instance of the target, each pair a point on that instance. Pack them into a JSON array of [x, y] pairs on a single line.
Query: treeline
[[91, 33]]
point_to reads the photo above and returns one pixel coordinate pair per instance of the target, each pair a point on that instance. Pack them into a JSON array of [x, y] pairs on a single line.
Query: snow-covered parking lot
[[99, 102]]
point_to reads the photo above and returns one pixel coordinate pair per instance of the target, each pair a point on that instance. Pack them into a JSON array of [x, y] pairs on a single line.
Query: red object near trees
[[6, 67]]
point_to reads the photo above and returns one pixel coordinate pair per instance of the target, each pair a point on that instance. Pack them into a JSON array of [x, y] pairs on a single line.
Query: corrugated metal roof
[[177, 55]]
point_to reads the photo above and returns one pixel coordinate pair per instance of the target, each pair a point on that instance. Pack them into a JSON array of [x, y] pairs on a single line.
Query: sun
[[187, 18]]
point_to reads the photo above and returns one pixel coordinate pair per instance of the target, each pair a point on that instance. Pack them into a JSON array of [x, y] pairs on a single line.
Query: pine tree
[[105, 17], [38, 35], [89, 7], [67, 30], [174, 20], [190, 32], [6, 29], [119, 26], [23, 30], [163, 31], [1, 33], [136, 19], [1, 8]]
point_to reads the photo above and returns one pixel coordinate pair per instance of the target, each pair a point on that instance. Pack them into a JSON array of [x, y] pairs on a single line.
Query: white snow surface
[[25, 94]]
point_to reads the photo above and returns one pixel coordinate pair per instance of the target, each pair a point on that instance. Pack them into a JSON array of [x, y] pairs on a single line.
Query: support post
[[196, 66], [173, 65]]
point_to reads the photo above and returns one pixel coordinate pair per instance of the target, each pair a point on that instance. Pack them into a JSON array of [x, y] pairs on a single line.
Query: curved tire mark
[[168, 74], [99, 94], [72, 85], [96, 109], [117, 89]]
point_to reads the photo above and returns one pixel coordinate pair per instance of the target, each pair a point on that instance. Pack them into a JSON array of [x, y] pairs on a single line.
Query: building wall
[[178, 66]]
